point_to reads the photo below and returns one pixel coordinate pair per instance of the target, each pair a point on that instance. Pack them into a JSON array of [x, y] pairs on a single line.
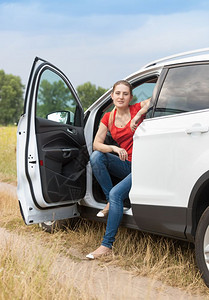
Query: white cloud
[[100, 49]]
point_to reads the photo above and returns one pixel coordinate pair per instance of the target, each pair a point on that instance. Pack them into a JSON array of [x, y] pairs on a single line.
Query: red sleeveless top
[[124, 136]]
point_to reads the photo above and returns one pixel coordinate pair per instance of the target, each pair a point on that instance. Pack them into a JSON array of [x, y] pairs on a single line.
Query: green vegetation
[[88, 93], [56, 96], [52, 96], [11, 98]]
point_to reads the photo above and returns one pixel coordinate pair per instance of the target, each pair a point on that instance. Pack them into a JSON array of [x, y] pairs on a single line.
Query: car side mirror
[[64, 117]]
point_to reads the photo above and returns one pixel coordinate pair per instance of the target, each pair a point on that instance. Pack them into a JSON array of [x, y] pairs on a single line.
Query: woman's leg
[[106, 164], [117, 195]]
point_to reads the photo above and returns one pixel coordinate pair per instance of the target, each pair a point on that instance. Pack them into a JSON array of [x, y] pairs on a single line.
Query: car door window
[[143, 91], [185, 89], [55, 101]]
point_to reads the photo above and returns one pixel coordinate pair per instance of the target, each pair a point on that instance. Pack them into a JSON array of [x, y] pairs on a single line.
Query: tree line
[[12, 101]]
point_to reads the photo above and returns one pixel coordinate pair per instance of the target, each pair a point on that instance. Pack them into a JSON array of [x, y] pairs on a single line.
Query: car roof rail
[[179, 55]]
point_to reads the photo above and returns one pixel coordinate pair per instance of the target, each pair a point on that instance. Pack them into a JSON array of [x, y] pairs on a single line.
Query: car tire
[[52, 226], [202, 246]]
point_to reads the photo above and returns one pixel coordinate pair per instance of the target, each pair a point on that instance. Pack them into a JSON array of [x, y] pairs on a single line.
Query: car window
[[141, 92], [185, 89], [54, 99]]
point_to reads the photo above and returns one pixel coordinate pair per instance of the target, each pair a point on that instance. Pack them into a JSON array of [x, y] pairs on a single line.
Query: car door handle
[[197, 128], [70, 152], [72, 131]]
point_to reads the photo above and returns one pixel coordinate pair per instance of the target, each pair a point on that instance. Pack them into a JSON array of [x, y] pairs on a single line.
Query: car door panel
[[53, 152], [62, 161], [170, 151]]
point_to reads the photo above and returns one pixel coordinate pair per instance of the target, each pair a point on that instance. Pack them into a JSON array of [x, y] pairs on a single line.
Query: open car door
[[51, 149]]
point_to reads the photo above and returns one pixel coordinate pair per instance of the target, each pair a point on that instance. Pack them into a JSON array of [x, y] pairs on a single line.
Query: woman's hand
[[143, 110], [123, 155], [134, 123]]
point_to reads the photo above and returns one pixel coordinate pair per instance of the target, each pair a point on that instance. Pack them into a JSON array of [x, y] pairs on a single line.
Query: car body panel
[[171, 150], [173, 177]]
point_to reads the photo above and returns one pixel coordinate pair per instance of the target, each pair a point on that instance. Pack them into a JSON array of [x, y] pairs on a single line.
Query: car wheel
[[202, 246], [52, 226]]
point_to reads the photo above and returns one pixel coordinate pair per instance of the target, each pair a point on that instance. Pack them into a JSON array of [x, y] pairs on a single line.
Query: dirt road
[[102, 281]]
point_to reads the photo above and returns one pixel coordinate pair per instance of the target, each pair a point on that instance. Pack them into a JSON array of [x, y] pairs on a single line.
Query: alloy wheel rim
[[206, 247]]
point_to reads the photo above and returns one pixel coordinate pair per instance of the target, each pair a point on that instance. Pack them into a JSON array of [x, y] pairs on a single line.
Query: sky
[[100, 41]]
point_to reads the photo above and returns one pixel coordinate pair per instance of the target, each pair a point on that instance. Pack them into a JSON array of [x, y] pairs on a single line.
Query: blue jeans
[[117, 195], [104, 165]]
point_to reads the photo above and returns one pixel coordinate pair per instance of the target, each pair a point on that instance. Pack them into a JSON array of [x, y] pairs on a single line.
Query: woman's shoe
[[103, 213], [94, 255]]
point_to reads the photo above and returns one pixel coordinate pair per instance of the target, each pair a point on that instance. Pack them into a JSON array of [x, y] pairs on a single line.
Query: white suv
[[170, 167]]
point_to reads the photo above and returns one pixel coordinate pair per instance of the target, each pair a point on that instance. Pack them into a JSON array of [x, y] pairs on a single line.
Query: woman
[[122, 123]]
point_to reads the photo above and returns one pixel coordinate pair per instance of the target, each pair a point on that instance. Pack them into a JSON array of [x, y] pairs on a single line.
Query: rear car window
[[185, 89]]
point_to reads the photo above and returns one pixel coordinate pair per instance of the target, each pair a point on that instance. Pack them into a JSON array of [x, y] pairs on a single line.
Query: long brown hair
[[124, 82]]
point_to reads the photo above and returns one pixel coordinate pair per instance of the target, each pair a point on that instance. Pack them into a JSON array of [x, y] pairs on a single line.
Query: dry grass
[[155, 257], [8, 154], [35, 278], [169, 260], [32, 261]]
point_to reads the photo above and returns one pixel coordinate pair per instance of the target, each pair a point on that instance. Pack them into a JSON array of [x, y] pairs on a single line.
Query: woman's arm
[[99, 140], [143, 110], [100, 146]]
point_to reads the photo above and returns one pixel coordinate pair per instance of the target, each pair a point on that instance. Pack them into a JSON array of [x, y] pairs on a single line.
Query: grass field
[[168, 260], [8, 154]]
